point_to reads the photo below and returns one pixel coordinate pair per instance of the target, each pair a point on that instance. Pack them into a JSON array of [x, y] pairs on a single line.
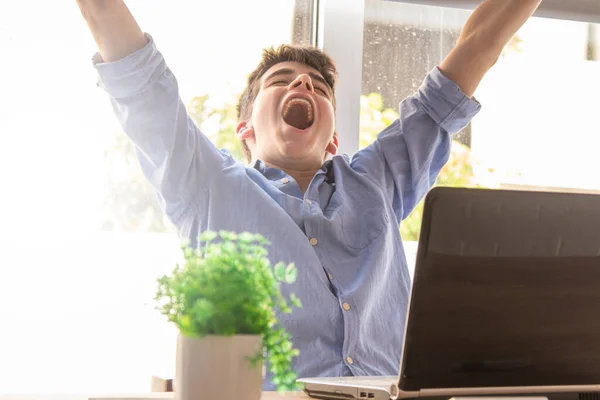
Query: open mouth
[[298, 112]]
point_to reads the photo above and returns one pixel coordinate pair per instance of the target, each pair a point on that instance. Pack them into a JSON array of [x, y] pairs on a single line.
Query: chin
[[290, 132], [297, 144]]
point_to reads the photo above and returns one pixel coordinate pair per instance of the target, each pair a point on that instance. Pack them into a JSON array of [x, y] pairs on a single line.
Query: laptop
[[505, 302]]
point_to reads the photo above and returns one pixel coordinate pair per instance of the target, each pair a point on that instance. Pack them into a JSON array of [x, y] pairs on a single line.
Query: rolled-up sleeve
[[408, 155], [174, 155]]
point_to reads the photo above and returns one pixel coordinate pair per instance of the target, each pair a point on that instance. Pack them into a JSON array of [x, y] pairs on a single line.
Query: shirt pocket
[[363, 217]]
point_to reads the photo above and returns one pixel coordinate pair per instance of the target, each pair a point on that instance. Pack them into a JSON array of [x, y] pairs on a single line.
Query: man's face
[[292, 119]]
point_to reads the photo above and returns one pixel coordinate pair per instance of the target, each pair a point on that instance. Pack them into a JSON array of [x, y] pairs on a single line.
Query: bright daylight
[[105, 174]]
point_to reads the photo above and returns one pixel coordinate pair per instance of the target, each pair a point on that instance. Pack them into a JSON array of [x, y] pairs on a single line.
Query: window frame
[[340, 26], [576, 10]]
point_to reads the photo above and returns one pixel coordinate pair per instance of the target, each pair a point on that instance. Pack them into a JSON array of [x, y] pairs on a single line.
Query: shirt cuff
[[446, 103], [130, 75]]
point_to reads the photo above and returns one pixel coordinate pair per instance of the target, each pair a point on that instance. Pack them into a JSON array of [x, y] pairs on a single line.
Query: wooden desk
[[276, 396], [142, 396], [170, 396]]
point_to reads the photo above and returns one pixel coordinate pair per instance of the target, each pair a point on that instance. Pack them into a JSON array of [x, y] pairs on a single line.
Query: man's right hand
[[114, 29]]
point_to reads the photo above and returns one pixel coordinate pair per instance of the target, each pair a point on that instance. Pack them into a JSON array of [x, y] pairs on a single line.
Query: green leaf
[[226, 235], [286, 309], [280, 271], [185, 322], [290, 274], [295, 301], [203, 310], [246, 238], [207, 236]]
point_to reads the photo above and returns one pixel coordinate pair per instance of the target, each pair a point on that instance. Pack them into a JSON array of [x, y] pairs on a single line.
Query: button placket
[[310, 231], [350, 328]]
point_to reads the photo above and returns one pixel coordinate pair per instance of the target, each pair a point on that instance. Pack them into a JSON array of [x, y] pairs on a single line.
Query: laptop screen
[[506, 291]]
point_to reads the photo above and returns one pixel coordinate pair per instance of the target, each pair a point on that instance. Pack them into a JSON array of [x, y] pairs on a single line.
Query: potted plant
[[224, 300]]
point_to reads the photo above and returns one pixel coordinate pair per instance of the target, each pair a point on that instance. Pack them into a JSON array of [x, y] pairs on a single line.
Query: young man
[[337, 220]]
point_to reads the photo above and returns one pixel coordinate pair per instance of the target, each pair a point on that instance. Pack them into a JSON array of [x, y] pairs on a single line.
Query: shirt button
[[346, 306], [314, 241], [308, 202], [330, 277], [285, 180], [349, 360]]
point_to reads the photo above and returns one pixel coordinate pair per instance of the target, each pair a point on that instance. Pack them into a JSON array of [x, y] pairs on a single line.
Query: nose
[[302, 82]]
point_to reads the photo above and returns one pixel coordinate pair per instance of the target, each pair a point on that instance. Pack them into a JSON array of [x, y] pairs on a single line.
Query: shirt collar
[[259, 165], [326, 169]]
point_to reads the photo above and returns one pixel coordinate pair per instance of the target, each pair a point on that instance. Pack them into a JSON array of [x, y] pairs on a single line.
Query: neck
[[301, 176]]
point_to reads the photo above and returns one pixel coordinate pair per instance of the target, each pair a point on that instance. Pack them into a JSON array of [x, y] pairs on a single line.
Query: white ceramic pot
[[217, 367]]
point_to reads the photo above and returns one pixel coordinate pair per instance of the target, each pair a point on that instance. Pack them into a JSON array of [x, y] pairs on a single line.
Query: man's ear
[[244, 130], [332, 147]]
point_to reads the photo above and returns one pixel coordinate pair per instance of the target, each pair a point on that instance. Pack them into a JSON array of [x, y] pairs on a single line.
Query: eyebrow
[[290, 71]]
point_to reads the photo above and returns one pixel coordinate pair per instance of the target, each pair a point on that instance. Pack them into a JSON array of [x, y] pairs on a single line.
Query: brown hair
[[307, 55]]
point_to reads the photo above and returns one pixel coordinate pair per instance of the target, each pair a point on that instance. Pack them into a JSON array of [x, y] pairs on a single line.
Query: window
[[537, 127], [82, 240]]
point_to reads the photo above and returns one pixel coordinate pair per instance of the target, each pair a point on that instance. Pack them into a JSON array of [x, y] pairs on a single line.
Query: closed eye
[[320, 89]]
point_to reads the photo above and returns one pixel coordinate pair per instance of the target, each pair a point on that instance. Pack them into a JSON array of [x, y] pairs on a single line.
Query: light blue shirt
[[342, 234]]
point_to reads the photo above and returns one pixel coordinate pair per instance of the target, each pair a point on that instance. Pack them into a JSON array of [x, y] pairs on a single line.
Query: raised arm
[[484, 36], [176, 158], [114, 29], [408, 155]]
